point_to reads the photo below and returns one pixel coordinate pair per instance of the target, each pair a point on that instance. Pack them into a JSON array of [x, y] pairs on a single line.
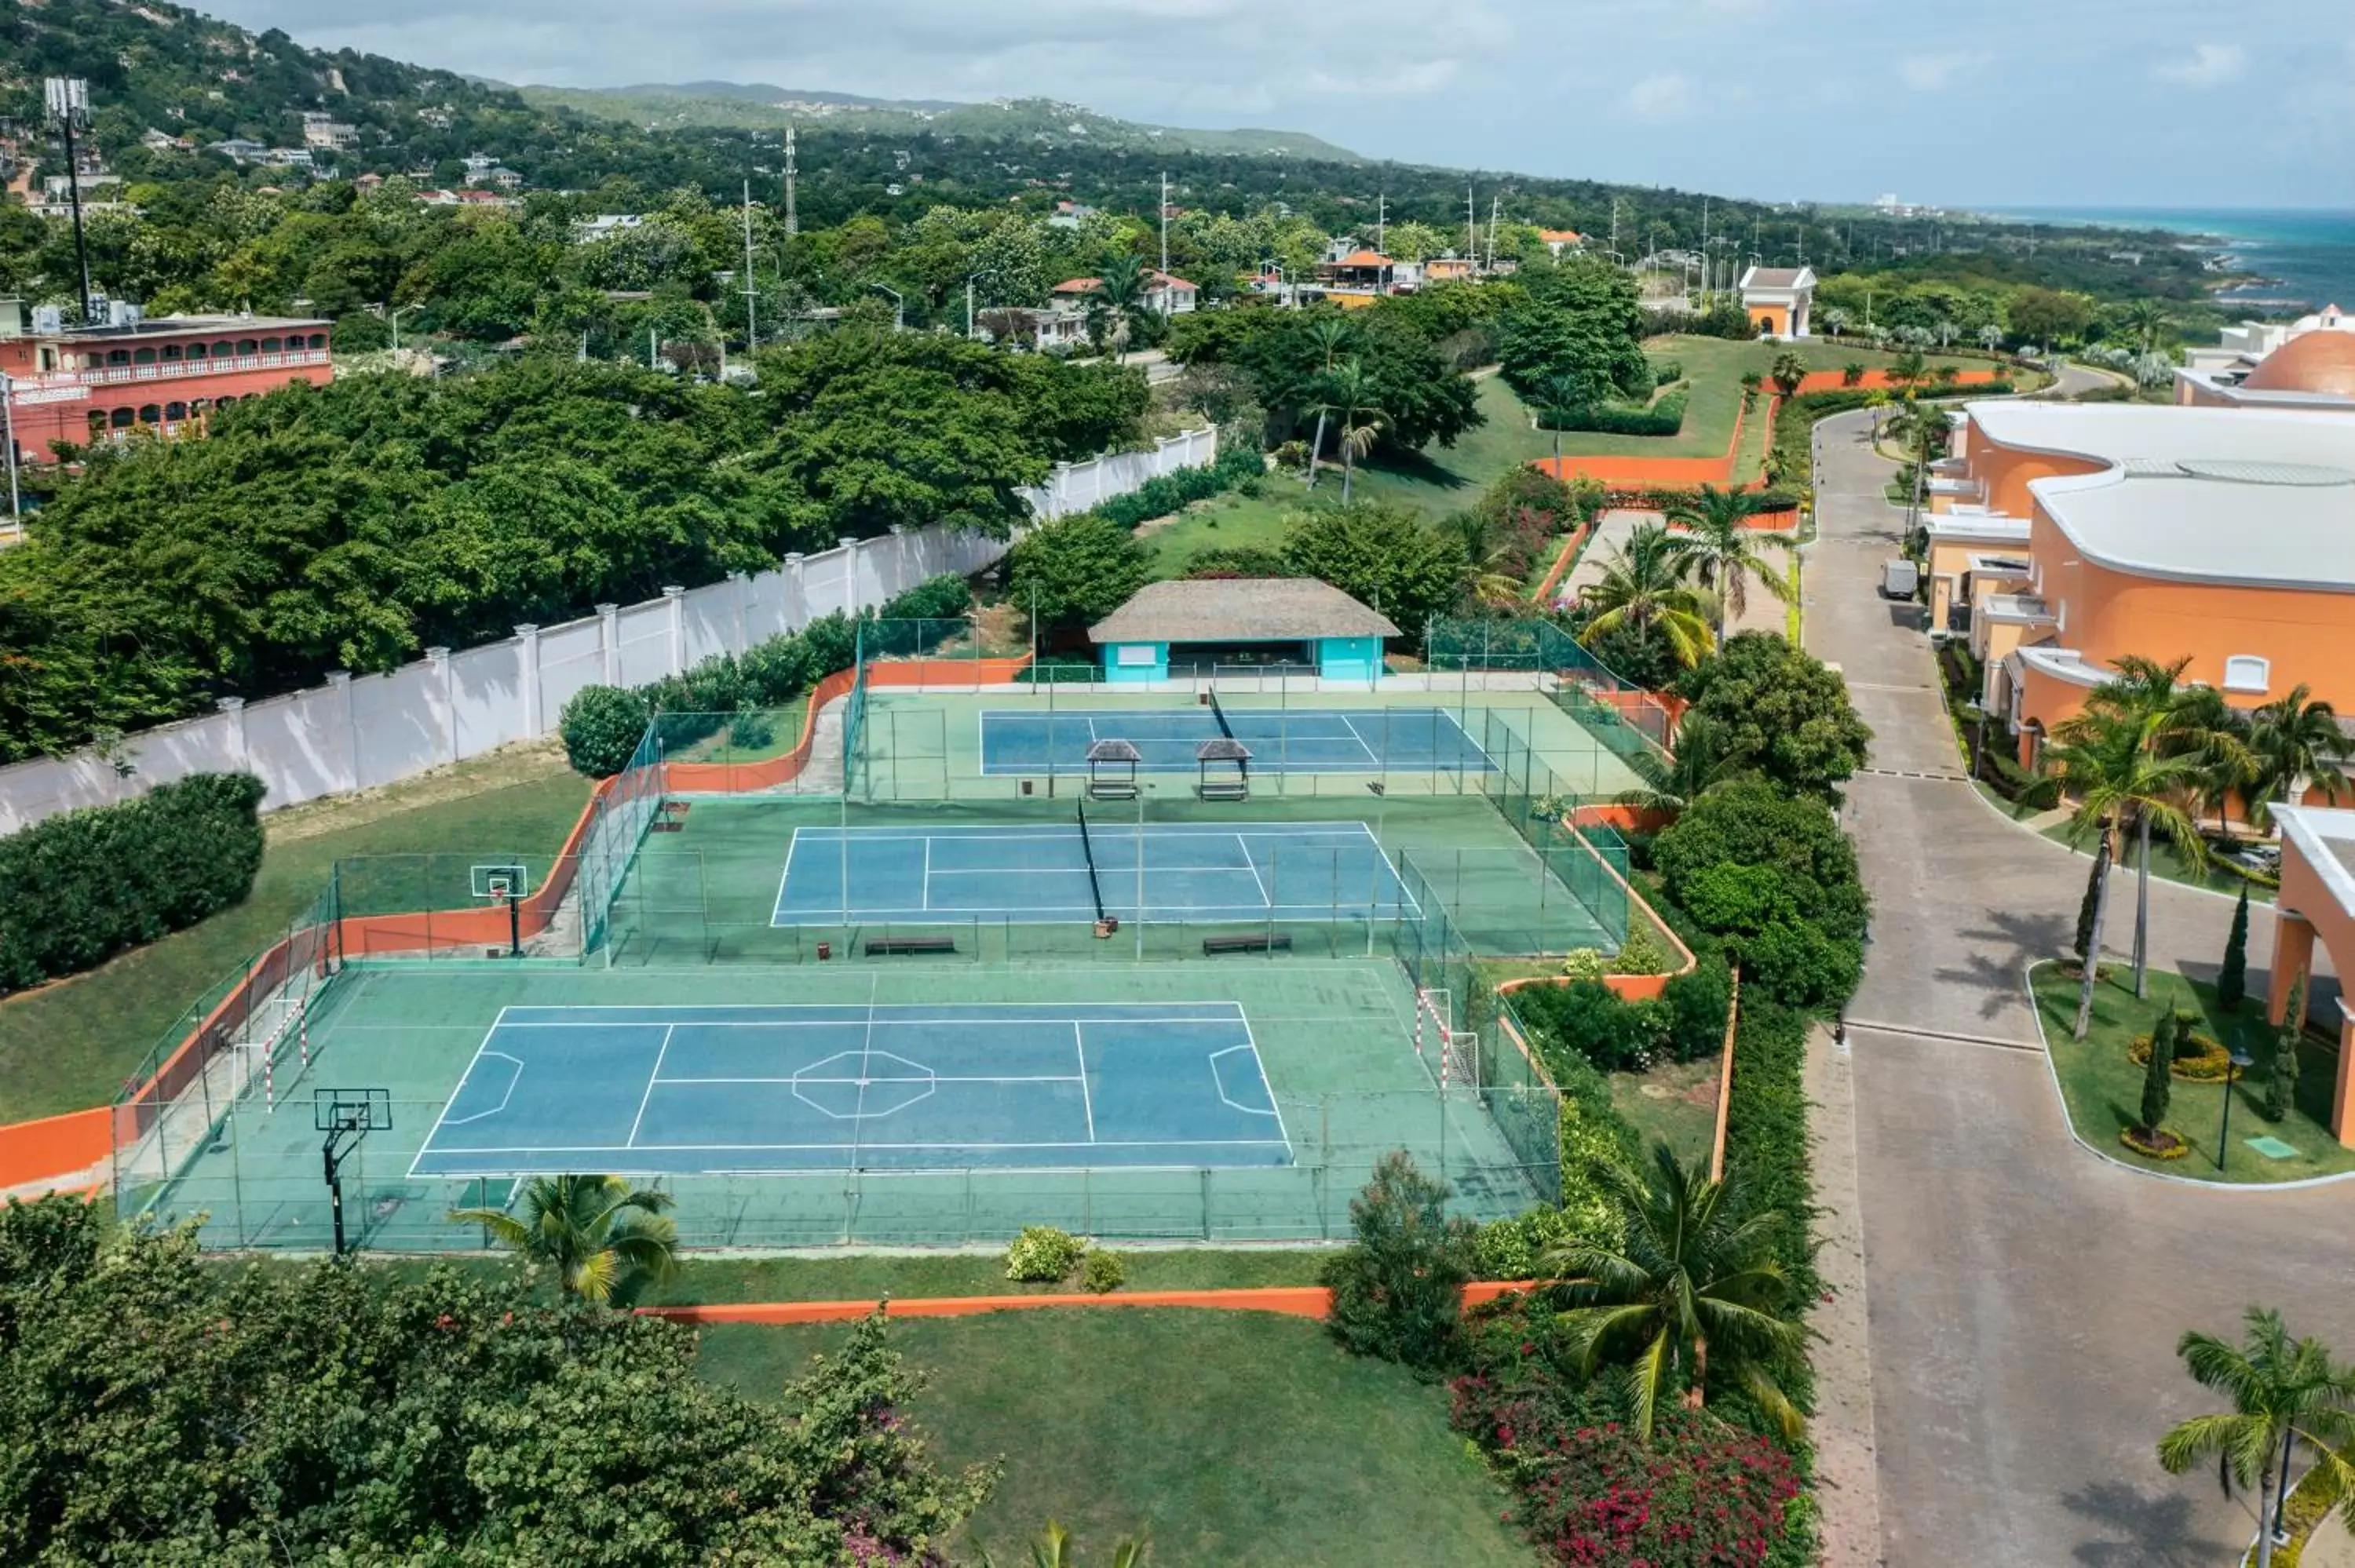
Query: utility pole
[[1381, 215], [8, 439], [751, 291], [1706, 280], [1495, 201], [68, 99], [1614, 223], [1164, 226], [793, 223], [1471, 229]]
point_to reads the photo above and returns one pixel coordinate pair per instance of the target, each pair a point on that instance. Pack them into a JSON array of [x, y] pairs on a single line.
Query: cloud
[[1934, 72], [2210, 64], [1663, 95]]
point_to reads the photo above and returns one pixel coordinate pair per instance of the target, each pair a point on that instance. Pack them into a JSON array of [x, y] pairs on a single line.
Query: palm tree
[[1787, 373], [1643, 585], [2284, 1392], [1348, 396], [2296, 744], [1692, 1288], [602, 1238], [1674, 780], [1330, 335], [1122, 286], [1726, 552], [2145, 319], [1560, 394], [1487, 551], [1053, 1550]]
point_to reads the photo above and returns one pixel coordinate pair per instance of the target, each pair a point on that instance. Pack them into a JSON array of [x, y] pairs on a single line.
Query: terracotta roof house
[[1164, 294]]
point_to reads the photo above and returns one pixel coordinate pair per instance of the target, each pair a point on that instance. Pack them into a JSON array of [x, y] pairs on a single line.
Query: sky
[[1981, 102]]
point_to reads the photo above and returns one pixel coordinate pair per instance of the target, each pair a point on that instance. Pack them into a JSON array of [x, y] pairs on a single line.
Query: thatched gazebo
[[1221, 752], [1112, 770]]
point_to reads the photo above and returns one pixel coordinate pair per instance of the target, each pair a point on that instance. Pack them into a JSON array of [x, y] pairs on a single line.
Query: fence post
[[609, 641], [675, 608], [528, 678]]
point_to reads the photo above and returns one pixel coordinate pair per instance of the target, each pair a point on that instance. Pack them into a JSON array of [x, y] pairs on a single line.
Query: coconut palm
[[1670, 781], [1643, 586], [1122, 286], [1726, 552], [602, 1238], [1488, 551], [1329, 335], [2284, 1392], [1691, 1290], [1347, 396], [1053, 1550], [2144, 319], [1787, 373], [2296, 744]]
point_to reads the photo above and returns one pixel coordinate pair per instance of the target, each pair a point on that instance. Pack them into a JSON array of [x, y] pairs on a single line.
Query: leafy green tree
[[1397, 1291], [1670, 781], [1076, 570], [2050, 317], [1547, 341], [2284, 1392], [1782, 713], [1644, 590], [2158, 1077], [600, 727], [2296, 744], [2232, 976], [1384, 555], [1692, 1291], [600, 1239], [1772, 875], [1725, 551]]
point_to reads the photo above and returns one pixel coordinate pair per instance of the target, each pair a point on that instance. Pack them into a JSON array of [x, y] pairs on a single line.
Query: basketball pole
[[515, 924]]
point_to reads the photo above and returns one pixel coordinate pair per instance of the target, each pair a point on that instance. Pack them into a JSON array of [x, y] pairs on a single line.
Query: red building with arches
[[80, 385]]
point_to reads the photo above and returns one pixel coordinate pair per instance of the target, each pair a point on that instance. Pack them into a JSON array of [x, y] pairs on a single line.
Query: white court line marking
[[513, 1078], [652, 1079], [1265, 1082], [1219, 1085], [1253, 866], [785, 877], [890, 1079], [488, 1034], [1087, 1101], [1379, 761], [928, 871], [701, 1147]]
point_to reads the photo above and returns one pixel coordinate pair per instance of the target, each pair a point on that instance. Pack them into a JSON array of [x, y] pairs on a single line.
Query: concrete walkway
[[2024, 1294], [1611, 532]]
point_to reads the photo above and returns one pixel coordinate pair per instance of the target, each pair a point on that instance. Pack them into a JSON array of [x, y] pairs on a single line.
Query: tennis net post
[[1088, 852], [1219, 713]]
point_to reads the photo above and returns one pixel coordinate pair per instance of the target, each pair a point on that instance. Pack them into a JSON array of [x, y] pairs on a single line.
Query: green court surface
[[1337, 1063], [972, 745]]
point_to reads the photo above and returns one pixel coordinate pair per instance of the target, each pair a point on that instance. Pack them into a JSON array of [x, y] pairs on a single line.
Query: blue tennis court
[[677, 1091], [1038, 873], [1282, 740]]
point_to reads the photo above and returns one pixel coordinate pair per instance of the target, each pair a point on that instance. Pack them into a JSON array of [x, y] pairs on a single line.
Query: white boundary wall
[[361, 732]]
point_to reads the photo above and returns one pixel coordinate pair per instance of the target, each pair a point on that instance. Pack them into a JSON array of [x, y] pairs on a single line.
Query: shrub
[[2232, 978], [750, 728], [939, 598], [82, 885], [2281, 1076], [1398, 1290], [1104, 1273], [601, 726], [1697, 1004], [1509, 1249], [1641, 953], [1664, 418], [1586, 964], [1042, 1254], [1165, 493], [2200, 1059], [1746, 855], [1665, 371], [1585, 1021]]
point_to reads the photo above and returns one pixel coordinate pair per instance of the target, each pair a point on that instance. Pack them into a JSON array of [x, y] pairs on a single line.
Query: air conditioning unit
[[48, 319], [123, 312]]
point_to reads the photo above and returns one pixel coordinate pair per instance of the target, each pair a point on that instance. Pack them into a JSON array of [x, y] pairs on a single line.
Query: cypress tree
[[2156, 1083], [2233, 979], [2085, 908], [2281, 1076]]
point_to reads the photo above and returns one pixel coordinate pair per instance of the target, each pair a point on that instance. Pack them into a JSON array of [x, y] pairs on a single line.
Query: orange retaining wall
[[735, 778], [1627, 987], [1561, 562], [1293, 1300], [56, 1147]]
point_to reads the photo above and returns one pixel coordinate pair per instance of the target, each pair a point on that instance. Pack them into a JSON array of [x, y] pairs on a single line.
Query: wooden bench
[[882, 946], [1256, 942]]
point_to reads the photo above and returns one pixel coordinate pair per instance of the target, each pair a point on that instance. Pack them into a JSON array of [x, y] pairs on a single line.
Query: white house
[[1163, 294], [1781, 301]]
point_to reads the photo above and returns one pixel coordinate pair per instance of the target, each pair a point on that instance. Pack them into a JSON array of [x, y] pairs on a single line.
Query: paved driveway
[[2025, 1296]]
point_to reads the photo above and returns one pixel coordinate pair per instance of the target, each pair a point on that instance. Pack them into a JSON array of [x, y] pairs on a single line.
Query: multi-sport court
[[1279, 1001]]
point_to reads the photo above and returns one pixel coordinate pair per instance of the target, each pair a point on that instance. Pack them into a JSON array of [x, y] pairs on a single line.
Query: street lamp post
[[8, 440], [2238, 1062], [395, 319], [899, 306]]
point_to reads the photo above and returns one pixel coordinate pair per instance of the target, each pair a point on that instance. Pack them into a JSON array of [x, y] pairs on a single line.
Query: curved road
[[2024, 1296]]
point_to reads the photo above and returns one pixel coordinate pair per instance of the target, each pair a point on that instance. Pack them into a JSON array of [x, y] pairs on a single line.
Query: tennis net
[[1219, 713], [1088, 848]]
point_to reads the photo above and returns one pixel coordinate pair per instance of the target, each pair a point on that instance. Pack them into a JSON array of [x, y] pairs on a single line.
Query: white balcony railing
[[170, 370]]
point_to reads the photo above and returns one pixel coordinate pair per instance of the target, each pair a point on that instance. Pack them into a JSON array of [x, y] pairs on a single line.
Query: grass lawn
[[2168, 861], [2102, 1085], [1675, 1104], [70, 1045], [1234, 1438], [865, 1277]]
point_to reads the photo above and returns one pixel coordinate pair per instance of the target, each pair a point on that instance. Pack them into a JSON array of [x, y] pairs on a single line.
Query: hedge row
[[78, 887], [601, 725], [1665, 418], [1159, 497], [1665, 498]]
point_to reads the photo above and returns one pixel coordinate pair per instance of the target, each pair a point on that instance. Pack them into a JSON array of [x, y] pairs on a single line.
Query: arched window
[[224, 349], [97, 421], [174, 412], [150, 414], [122, 419], [247, 345], [2247, 672], [271, 345], [118, 356], [145, 357], [195, 351], [318, 339], [171, 351], [223, 402]]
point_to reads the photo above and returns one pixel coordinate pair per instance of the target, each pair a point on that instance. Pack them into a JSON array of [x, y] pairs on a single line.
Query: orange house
[[1781, 301], [2064, 537], [2308, 364], [2317, 898]]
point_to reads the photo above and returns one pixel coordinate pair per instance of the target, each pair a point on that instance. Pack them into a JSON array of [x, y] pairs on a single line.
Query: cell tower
[[66, 99], [793, 222]]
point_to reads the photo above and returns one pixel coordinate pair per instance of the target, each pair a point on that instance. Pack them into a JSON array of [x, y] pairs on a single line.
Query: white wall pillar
[[441, 681], [528, 678], [609, 641], [232, 711], [675, 603], [340, 682], [850, 548], [743, 591], [792, 607]]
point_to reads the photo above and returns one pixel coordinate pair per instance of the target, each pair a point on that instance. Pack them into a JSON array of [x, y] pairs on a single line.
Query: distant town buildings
[[326, 131]]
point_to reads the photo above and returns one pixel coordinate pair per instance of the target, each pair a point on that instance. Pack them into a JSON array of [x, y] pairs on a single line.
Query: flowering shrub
[[1586, 964], [2199, 1058], [1043, 1254], [1699, 1494]]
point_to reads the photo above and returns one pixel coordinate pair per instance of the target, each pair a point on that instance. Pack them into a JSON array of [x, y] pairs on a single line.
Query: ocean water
[[2306, 254]]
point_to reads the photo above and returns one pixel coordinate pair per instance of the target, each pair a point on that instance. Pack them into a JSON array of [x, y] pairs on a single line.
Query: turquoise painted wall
[[1136, 663], [1349, 658]]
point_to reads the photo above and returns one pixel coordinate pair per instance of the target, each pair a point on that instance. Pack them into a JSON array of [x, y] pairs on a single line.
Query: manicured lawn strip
[[1236, 1439], [864, 1278], [2167, 862], [2102, 1086], [784, 734], [69, 1046], [1229, 521]]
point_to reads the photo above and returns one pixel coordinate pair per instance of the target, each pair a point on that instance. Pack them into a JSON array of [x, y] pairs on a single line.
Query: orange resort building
[[2065, 537], [1781, 301], [2317, 899], [80, 385], [2306, 364]]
